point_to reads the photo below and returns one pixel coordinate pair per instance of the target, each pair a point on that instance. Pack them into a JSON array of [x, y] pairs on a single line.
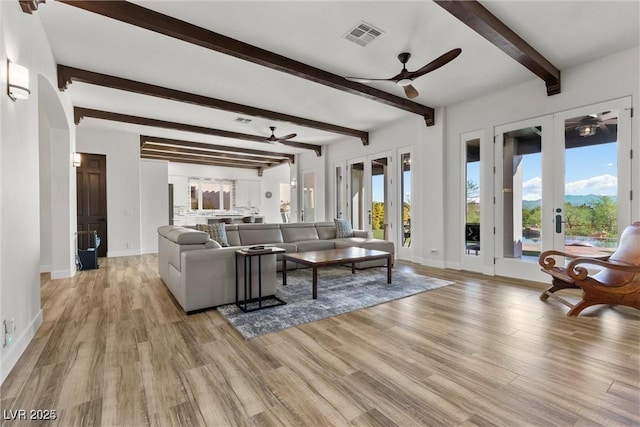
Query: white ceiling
[[567, 33]]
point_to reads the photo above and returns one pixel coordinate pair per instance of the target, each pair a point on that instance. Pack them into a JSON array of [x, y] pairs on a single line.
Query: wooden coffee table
[[316, 259]]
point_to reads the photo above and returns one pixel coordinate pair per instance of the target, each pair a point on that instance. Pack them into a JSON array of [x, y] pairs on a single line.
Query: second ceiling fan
[[273, 138], [405, 77]]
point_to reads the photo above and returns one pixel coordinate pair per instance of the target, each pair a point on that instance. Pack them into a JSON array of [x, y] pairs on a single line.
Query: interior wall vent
[[243, 120], [363, 33]]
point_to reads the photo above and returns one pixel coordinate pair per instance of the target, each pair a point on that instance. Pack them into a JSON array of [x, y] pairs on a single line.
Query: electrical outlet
[[129, 245], [8, 332]]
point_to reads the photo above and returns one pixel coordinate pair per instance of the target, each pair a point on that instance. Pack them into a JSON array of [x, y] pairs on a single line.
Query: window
[[209, 194]]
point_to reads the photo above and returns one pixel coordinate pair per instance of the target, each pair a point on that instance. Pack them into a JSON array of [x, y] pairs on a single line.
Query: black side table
[[259, 302]]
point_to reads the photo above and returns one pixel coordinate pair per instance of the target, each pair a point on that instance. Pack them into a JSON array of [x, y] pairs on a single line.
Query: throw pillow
[[216, 231], [343, 228]]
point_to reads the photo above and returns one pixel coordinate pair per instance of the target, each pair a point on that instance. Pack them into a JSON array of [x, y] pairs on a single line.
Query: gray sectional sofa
[[201, 274]]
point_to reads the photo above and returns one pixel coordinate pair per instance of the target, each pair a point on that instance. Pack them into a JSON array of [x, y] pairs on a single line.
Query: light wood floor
[[114, 349]]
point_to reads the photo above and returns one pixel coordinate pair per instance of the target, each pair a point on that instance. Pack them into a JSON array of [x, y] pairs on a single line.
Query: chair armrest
[[547, 262], [580, 273]]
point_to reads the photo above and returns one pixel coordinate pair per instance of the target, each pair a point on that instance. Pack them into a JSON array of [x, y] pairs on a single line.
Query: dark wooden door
[[91, 183]]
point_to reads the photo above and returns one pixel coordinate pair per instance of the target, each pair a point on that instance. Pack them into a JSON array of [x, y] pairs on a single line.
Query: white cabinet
[[248, 193], [180, 190]]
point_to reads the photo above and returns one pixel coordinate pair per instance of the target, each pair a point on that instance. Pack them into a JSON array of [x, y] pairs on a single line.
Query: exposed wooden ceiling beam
[[30, 6], [80, 112], [200, 162], [478, 18], [194, 154], [154, 21], [67, 75], [168, 149], [187, 157], [279, 157]]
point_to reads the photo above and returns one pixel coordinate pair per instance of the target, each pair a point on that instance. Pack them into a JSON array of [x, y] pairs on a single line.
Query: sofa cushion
[[212, 244], [257, 234], [326, 230], [183, 236], [216, 231], [343, 228], [233, 237], [315, 245], [298, 231]]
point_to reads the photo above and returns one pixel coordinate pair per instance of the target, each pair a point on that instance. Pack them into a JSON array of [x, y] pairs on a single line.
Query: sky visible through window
[[588, 170], [377, 183]]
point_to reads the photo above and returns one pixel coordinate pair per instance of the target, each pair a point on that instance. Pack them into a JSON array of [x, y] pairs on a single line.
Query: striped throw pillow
[[343, 228], [216, 231]]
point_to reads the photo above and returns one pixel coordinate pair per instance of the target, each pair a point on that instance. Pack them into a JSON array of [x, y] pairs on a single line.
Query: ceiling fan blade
[[364, 80], [436, 63], [291, 135], [410, 91]]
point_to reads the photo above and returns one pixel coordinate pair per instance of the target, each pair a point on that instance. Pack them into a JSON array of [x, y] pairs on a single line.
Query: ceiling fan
[[589, 125], [273, 138], [405, 77]]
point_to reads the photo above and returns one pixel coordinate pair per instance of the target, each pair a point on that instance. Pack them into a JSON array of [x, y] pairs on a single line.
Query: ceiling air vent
[[363, 33], [243, 120]]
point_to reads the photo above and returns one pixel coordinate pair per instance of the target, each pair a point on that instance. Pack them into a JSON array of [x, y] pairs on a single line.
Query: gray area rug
[[338, 292]]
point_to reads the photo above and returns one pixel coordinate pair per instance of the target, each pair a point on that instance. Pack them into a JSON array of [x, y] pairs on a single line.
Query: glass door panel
[[308, 197], [594, 189], [522, 193], [405, 199], [356, 194], [378, 210], [472, 197], [524, 183], [339, 188]]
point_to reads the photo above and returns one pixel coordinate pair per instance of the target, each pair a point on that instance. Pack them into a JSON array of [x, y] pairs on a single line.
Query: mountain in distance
[[589, 199]]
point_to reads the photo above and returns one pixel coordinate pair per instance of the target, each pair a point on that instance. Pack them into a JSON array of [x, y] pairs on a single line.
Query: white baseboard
[[489, 271], [45, 268], [62, 274], [433, 263], [128, 252], [149, 251], [453, 265], [11, 356]]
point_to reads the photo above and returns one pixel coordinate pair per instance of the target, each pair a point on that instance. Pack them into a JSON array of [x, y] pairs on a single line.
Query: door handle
[[559, 223]]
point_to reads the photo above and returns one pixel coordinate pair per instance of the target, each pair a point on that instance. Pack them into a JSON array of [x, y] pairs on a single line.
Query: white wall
[[123, 185], [608, 78], [154, 202], [22, 41], [46, 166], [272, 178]]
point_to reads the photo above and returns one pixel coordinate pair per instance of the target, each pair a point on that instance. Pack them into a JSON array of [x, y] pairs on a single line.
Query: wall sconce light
[[17, 81], [293, 183], [77, 160]]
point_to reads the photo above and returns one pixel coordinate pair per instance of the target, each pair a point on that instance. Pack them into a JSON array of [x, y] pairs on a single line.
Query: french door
[[563, 182], [369, 204], [308, 212], [404, 229]]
